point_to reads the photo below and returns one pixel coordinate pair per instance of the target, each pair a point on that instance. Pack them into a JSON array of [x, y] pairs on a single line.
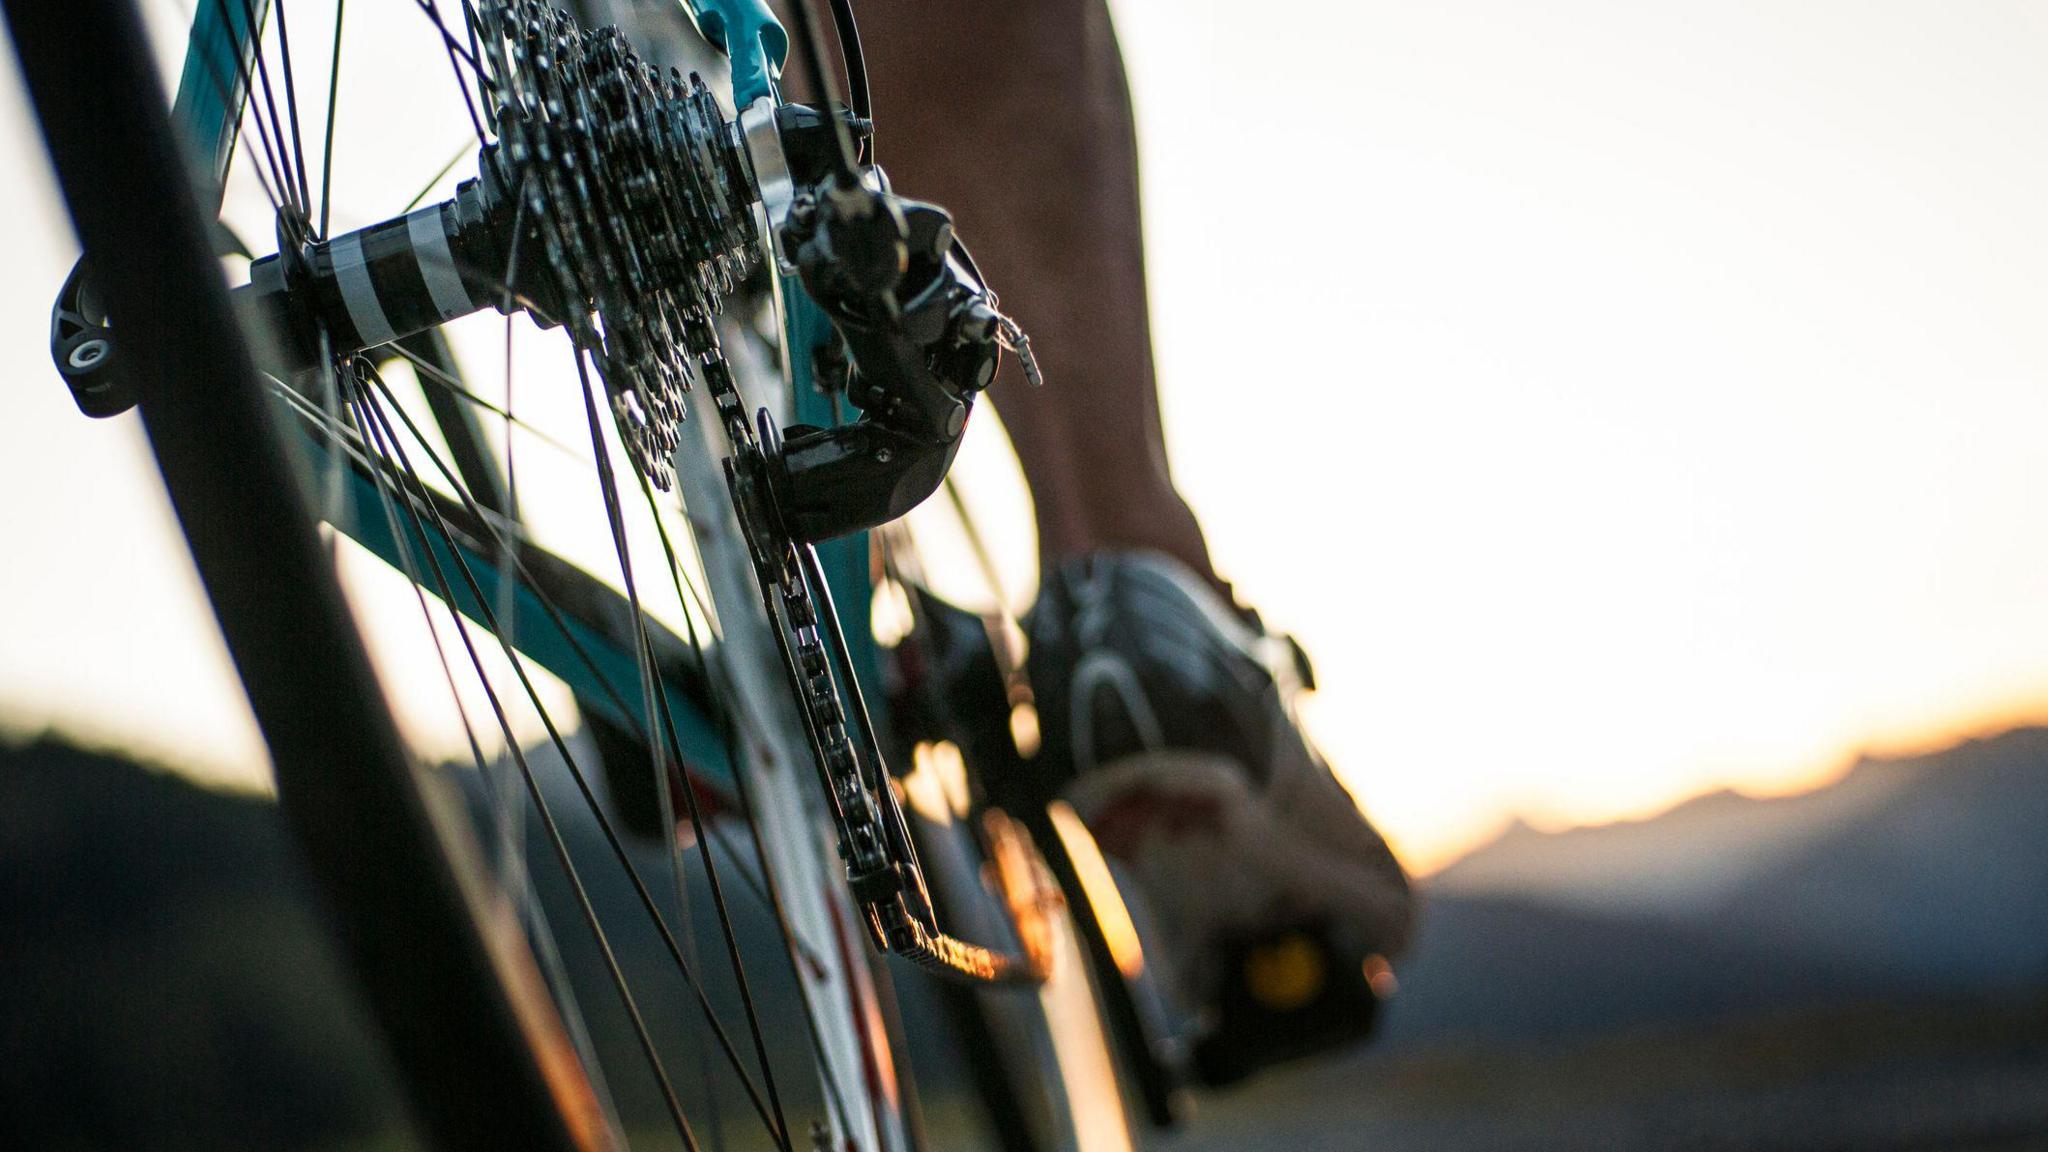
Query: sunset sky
[[1619, 400]]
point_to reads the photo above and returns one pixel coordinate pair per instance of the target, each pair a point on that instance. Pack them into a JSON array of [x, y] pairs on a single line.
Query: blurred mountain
[[1686, 858], [1945, 885], [1908, 878]]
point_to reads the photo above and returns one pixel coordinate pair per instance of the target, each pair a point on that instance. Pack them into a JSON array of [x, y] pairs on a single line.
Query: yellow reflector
[[1286, 974]]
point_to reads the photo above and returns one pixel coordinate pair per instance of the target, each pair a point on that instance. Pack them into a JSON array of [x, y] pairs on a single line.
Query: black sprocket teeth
[[643, 204]]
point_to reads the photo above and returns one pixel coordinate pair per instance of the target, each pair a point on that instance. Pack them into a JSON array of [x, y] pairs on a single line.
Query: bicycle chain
[[646, 195], [874, 840]]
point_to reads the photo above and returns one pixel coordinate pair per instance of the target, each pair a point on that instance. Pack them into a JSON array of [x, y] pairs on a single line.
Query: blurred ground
[[1956, 1076], [165, 983]]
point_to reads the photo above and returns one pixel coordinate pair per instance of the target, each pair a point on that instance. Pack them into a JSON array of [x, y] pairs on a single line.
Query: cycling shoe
[[1167, 720]]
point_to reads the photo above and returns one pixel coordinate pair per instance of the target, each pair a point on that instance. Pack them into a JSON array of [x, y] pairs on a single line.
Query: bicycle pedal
[[1289, 993]]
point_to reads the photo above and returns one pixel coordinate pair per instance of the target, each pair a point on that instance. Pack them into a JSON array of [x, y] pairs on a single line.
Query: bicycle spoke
[[608, 486], [429, 374], [457, 55], [286, 181], [508, 600], [562, 749], [723, 710], [542, 932], [379, 429], [460, 155], [291, 102], [799, 950], [470, 22], [687, 592], [333, 98], [564, 992], [511, 811], [335, 480]]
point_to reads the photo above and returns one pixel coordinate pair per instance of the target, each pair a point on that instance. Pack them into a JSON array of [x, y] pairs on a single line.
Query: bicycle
[[323, 415]]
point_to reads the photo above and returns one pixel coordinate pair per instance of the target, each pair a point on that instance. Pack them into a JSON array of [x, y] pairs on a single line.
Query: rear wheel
[[546, 977]]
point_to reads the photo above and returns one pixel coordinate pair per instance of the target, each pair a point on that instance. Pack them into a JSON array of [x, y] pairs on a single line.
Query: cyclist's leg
[[1017, 118], [1167, 713]]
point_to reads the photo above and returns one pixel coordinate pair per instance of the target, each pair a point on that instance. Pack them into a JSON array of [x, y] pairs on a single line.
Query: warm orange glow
[[1111, 916], [1026, 886], [1024, 728], [1086, 1067], [936, 785], [920, 788], [951, 769], [880, 1053], [889, 613]]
